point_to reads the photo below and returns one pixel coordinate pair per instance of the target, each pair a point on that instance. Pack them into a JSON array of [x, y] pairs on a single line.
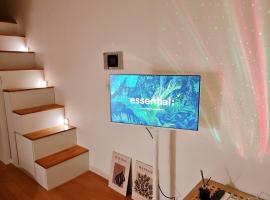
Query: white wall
[[225, 41]]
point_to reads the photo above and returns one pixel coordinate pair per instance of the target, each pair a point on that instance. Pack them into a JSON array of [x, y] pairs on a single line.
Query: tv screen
[[170, 101]]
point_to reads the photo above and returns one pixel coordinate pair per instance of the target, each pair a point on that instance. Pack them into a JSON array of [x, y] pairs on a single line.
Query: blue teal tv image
[[169, 101]]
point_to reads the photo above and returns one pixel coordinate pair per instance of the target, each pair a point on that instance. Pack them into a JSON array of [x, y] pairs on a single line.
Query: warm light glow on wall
[[42, 83], [23, 48], [66, 121], [61, 120]]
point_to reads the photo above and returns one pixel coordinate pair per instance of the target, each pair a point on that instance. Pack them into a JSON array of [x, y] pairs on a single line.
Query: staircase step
[[27, 111], [16, 52], [10, 34], [25, 98], [23, 78], [21, 69], [59, 168], [61, 156], [9, 28], [6, 18], [48, 132], [25, 89], [36, 118], [34, 146], [13, 43], [17, 59]]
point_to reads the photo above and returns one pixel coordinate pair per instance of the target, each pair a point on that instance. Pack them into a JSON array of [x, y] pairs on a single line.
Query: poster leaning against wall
[[143, 182], [120, 168]]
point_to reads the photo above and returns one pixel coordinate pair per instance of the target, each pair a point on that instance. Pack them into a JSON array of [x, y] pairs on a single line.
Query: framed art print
[[143, 183], [120, 168]]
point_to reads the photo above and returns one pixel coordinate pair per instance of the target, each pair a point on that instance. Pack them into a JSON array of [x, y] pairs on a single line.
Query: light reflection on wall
[[233, 41]]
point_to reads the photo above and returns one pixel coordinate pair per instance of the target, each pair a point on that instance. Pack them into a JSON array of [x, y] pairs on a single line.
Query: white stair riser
[[29, 151], [10, 60], [63, 172], [29, 98], [12, 43], [22, 79], [25, 154], [9, 28], [52, 144], [37, 121]]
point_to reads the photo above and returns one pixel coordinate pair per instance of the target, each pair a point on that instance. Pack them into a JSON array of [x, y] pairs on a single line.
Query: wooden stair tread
[[16, 51], [62, 156], [8, 21], [48, 132], [19, 69], [25, 89], [12, 35], [37, 109]]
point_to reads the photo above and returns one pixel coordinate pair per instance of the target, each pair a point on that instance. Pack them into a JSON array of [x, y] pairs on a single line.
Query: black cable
[[149, 133], [165, 195], [174, 198]]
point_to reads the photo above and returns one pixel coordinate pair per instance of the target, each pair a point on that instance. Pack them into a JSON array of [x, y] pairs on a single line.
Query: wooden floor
[[15, 185]]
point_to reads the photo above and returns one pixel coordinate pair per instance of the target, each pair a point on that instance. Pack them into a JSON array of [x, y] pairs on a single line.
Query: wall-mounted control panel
[[113, 60]]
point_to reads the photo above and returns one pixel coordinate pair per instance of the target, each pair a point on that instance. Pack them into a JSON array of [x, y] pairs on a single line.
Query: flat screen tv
[[169, 101]]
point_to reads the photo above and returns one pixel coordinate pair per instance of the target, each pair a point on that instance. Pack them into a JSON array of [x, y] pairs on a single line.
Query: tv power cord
[[173, 198]]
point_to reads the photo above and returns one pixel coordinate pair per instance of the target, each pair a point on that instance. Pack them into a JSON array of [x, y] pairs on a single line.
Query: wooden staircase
[[33, 135]]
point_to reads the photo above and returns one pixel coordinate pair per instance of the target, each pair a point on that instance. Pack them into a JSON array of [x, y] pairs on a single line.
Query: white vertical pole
[[155, 166], [165, 167], [173, 162]]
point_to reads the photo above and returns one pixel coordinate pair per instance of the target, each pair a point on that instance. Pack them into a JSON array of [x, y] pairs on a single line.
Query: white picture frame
[[143, 179], [119, 174]]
